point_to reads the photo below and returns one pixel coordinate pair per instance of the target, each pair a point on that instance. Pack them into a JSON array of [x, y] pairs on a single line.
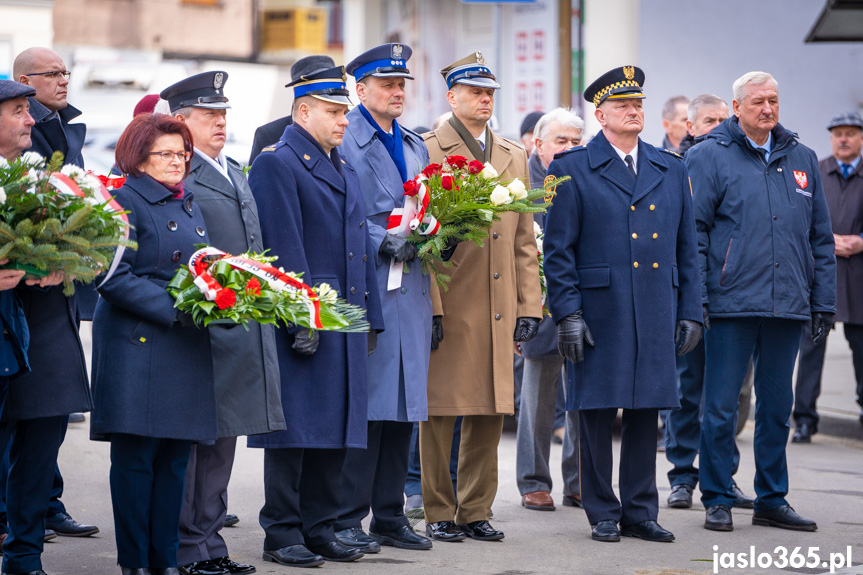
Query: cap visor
[[335, 99], [392, 75], [213, 106], [480, 82]]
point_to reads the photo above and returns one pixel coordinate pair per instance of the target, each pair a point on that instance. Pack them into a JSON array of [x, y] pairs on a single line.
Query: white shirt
[[481, 139], [633, 153], [220, 163]]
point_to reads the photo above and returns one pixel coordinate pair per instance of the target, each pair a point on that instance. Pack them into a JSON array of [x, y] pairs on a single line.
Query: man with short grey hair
[[674, 122], [767, 263], [555, 132], [705, 112]]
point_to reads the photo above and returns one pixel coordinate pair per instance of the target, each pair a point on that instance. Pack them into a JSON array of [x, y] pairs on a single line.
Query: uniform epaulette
[[670, 152], [565, 152], [274, 147]]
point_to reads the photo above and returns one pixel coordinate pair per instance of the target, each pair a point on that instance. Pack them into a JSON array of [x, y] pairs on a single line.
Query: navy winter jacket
[[764, 236]]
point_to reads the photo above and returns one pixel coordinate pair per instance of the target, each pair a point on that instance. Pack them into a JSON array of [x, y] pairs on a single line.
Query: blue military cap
[[471, 71], [319, 77], [383, 61], [846, 119], [9, 90], [202, 90], [620, 83]]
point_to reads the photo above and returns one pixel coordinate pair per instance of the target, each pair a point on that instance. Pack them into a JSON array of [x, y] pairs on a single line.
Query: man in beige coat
[[493, 299]]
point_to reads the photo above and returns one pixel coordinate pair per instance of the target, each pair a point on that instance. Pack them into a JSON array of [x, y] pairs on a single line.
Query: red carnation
[[446, 182], [474, 167], [225, 298], [253, 286], [456, 161], [432, 170], [411, 187]]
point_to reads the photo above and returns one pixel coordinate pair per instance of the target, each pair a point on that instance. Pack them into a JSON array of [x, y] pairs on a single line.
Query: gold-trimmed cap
[[619, 83]]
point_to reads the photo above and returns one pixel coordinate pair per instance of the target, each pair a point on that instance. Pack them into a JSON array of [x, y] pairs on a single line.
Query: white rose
[[2, 195], [33, 176], [537, 230], [91, 182], [32, 158], [72, 171], [3, 163], [517, 189], [500, 196], [488, 172]]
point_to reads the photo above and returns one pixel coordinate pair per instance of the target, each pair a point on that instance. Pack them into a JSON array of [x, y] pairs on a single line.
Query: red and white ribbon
[[203, 259], [402, 221], [66, 185]]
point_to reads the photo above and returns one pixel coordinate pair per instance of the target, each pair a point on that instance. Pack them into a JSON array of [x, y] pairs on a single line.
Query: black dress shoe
[[294, 556], [165, 570], [572, 501], [335, 551], [231, 520], [742, 500], [785, 518], [135, 571], [680, 497], [403, 538], [605, 530], [201, 568], [481, 531], [718, 518], [36, 572], [64, 525], [355, 537], [445, 531], [76, 418], [233, 567], [49, 535], [803, 434], [648, 530]]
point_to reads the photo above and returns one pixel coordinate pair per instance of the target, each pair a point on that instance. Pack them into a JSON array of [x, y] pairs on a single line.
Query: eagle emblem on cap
[[397, 51], [218, 80], [479, 58], [629, 72]]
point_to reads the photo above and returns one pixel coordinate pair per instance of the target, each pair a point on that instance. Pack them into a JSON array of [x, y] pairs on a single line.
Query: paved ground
[[826, 485]]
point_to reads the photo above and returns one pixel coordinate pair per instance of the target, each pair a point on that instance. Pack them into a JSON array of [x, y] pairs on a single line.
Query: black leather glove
[[437, 331], [306, 341], [398, 249], [687, 335], [185, 319], [572, 334], [449, 250], [526, 329], [822, 323], [706, 317], [373, 340]]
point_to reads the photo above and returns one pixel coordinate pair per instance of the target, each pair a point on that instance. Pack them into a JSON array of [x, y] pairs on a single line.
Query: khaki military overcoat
[[471, 372]]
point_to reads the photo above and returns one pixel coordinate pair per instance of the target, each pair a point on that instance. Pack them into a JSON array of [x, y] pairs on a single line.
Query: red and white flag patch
[[801, 179]]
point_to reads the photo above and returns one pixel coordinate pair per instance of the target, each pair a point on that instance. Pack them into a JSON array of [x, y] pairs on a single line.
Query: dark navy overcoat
[[313, 219], [624, 251], [398, 368], [152, 377]]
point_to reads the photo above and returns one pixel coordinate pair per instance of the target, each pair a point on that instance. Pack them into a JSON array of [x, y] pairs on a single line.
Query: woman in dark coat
[[152, 370]]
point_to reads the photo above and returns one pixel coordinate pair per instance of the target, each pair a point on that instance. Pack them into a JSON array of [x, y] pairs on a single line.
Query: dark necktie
[[630, 163], [846, 170]]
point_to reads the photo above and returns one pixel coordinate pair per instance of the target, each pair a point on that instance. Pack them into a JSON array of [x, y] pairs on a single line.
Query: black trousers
[[375, 477], [809, 369], [638, 496], [302, 490], [32, 461]]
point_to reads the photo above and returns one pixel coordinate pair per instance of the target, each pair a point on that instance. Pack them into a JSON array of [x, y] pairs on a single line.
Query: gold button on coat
[[632, 208], [655, 236], [655, 265], [635, 265], [652, 207], [635, 236]]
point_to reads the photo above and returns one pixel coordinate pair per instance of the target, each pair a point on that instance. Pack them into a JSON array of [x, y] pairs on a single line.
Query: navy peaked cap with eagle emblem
[[383, 61], [620, 83], [319, 77], [202, 90]]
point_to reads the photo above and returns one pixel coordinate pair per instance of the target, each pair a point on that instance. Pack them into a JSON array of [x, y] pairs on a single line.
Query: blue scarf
[[393, 143]]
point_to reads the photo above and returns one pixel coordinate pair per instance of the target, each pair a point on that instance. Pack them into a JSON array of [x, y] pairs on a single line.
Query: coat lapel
[[651, 166], [319, 165], [501, 153], [600, 153], [376, 154], [207, 176]]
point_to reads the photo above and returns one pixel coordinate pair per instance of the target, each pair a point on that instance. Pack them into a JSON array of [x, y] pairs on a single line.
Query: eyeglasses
[[167, 156], [53, 74]]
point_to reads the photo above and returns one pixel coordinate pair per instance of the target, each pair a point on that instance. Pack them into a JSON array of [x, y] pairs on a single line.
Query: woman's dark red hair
[[135, 143]]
